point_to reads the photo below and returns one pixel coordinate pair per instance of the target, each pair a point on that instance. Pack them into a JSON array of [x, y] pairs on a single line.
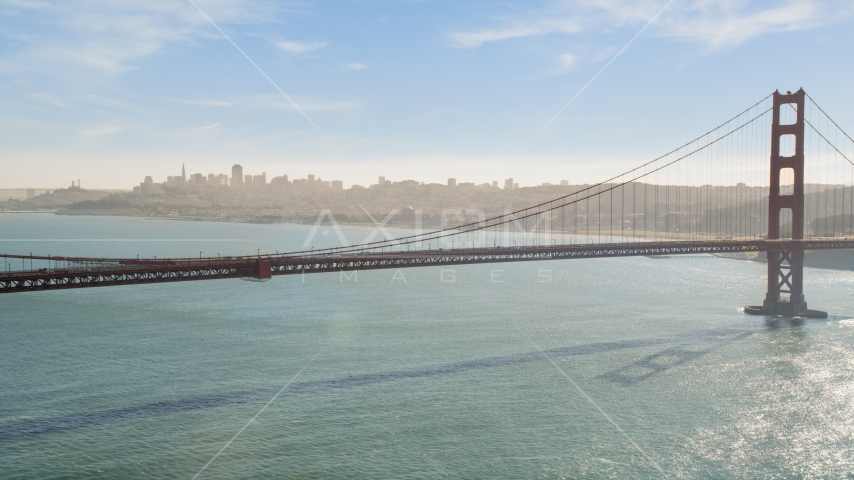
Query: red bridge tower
[[786, 266]]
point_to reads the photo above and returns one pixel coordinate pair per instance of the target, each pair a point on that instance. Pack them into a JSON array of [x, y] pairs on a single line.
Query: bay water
[[601, 368]]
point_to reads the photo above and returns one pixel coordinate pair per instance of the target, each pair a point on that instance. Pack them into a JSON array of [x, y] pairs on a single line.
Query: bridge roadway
[[92, 272]]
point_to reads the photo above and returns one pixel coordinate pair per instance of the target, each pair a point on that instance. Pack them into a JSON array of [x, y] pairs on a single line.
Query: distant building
[[547, 184], [283, 180], [31, 193], [146, 187], [381, 181], [198, 179], [495, 183], [183, 175], [337, 185], [508, 184], [452, 182], [236, 175], [212, 179], [515, 186], [466, 184], [564, 183], [311, 178], [259, 179], [247, 179]]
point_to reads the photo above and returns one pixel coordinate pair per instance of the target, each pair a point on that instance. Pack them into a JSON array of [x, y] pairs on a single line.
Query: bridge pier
[[786, 267], [265, 271], [786, 275]]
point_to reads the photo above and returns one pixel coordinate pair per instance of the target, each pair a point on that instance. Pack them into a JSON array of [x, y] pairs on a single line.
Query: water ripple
[[83, 420]]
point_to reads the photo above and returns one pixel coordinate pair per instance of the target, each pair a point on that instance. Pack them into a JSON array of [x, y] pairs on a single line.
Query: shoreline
[[184, 218], [29, 211]]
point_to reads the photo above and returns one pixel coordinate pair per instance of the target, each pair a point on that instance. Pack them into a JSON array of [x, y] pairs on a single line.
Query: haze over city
[[110, 92]]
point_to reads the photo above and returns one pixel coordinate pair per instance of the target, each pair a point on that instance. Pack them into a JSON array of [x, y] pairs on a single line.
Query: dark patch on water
[[83, 420], [662, 361]]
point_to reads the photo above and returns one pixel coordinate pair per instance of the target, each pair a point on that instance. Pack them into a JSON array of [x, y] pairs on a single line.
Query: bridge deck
[[112, 272]]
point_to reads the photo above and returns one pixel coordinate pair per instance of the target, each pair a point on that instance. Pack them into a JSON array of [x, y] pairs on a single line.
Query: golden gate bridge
[[713, 194]]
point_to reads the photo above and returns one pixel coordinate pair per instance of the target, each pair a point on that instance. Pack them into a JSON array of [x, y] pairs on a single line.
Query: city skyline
[[238, 178]]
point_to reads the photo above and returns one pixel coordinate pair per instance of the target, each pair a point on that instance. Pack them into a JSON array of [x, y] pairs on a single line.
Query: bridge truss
[[113, 272], [713, 194]]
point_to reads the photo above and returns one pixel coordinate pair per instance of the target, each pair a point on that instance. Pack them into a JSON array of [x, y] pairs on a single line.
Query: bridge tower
[[786, 266]]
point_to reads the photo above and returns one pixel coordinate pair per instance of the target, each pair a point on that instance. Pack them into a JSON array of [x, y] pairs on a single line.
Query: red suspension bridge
[[712, 195]]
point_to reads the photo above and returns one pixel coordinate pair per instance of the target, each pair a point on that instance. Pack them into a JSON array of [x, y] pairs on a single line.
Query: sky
[[111, 91]]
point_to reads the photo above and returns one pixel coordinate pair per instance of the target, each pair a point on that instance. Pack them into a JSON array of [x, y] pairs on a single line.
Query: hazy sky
[[111, 91]]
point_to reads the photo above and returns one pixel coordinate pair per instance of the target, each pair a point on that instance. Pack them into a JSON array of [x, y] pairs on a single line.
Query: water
[[613, 369]]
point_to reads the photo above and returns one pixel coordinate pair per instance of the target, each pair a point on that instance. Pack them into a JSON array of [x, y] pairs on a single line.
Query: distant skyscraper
[[452, 182], [237, 175], [259, 179], [381, 181], [146, 187], [337, 185], [310, 178], [508, 184], [183, 175], [495, 183], [564, 183], [247, 179]]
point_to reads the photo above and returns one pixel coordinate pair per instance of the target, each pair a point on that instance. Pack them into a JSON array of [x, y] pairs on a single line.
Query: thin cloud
[[209, 127], [108, 36], [306, 103], [517, 30], [207, 103], [356, 66], [110, 102], [50, 99], [103, 131], [569, 60], [719, 27], [583, 57], [271, 101], [715, 24], [300, 47]]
